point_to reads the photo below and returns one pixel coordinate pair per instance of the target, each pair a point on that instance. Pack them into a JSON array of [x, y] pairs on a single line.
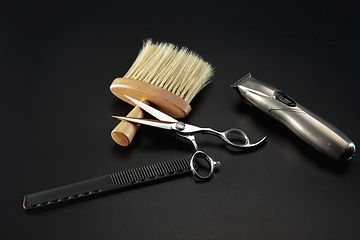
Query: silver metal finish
[[311, 128], [150, 122], [212, 163], [180, 126], [152, 111]]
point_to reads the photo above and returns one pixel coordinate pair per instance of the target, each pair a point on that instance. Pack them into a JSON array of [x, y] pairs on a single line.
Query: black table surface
[[58, 59]]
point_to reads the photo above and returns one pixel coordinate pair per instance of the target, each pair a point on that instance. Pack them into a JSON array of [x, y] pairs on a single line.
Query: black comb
[[107, 183]]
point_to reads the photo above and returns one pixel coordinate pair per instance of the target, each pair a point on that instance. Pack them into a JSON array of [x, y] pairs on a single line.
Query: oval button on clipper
[[282, 97]]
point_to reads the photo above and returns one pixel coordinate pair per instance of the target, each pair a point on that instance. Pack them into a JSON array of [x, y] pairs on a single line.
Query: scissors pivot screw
[[180, 126]]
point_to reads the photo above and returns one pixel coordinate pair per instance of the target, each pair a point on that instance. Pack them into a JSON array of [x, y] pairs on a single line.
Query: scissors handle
[[203, 155], [240, 137]]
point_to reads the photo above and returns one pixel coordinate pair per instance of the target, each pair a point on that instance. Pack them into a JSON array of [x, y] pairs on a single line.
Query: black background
[[58, 59]]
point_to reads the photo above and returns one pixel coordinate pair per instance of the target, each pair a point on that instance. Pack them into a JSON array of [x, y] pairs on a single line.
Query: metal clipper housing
[[305, 124]]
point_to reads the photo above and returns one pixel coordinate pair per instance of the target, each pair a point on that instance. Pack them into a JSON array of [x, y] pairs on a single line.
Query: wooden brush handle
[[125, 131]]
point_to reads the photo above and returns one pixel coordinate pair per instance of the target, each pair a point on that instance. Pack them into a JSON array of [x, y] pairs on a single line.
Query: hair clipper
[[312, 129]]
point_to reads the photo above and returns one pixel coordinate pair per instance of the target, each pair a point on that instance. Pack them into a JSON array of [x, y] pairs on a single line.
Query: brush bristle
[[179, 71]]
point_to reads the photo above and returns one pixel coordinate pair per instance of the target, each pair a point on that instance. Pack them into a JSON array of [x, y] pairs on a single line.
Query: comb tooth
[[133, 176], [147, 172], [114, 178], [167, 168], [158, 169], [126, 176], [151, 170], [172, 167], [141, 174]]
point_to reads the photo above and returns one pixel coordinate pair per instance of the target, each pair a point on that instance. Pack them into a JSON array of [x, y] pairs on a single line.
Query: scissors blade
[[154, 112], [149, 122]]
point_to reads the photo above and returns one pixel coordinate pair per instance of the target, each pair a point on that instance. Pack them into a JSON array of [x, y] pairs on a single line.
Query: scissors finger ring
[[212, 163]]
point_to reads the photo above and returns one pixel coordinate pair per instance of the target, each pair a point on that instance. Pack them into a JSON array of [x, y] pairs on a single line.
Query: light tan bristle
[[179, 71]]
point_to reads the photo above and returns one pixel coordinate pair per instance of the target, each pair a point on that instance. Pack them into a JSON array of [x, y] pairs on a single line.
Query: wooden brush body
[[160, 98]]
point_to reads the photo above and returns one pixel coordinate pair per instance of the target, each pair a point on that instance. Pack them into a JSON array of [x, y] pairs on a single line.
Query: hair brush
[[164, 76]]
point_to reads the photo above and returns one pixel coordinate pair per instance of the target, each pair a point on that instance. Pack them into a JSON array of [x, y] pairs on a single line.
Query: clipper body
[[305, 124]]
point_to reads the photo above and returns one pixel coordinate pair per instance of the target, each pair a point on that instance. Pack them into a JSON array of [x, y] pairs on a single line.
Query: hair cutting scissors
[[188, 131]]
